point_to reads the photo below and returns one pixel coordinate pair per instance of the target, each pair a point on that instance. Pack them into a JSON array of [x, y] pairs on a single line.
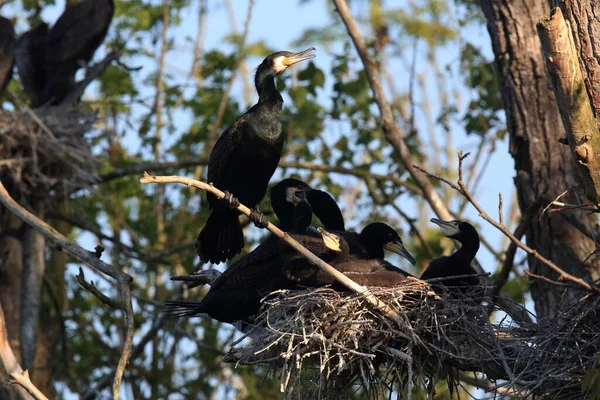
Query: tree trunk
[[544, 166]]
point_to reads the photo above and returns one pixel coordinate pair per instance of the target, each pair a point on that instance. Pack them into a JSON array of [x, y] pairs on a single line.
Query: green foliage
[[330, 120]]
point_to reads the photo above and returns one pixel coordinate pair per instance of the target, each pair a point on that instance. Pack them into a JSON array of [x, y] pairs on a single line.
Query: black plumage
[[8, 43], [29, 57], [368, 261], [237, 293], [459, 263], [243, 160], [71, 44]]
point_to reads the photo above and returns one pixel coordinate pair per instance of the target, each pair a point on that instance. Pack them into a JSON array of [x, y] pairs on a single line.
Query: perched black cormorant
[[29, 57], [236, 294], [243, 160], [459, 263], [71, 44], [8, 42]]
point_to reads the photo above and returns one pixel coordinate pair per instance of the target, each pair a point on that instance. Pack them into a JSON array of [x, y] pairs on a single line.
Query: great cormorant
[[71, 44], [29, 57], [459, 263], [243, 160], [8, 42], [236, 294]]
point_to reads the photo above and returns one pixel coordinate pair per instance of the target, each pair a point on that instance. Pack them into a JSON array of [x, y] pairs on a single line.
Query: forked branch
[[461, 188]]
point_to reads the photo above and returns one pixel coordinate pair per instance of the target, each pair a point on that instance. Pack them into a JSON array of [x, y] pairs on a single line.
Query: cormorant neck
[[469, 248], [268, 95], [374, 250]]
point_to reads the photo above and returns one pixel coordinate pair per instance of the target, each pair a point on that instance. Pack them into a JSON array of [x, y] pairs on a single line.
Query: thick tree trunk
[[544, 166]]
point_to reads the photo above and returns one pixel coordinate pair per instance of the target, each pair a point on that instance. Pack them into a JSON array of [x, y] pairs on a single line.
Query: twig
[[563, 276], [8, 362], [88, 258], [91, 73], [90, 287], [511, 251], [548, 280], [343, 279]]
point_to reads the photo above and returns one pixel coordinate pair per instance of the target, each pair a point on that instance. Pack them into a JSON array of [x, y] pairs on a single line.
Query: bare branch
[[391, 129], [8, 362], [563, 276], [343, 279]]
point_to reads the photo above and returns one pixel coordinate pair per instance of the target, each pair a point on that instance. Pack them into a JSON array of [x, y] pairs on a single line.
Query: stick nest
[[325, 344], [47, 154]]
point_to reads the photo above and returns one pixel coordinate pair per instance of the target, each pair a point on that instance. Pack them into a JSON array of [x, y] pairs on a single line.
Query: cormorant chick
[[458, 263], [243, 161], [335, 250], [236, 294], [71, 44], [8, 42]]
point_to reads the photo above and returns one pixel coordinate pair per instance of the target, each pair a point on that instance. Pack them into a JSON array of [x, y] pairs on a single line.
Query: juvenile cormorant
[[243, 160], [459, 263], [336, 252], [8, 42], [29, 57], [71, 44], [236, 294]]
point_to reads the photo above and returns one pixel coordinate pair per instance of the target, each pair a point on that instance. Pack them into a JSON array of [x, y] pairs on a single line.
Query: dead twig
[[8, 362], [460, 187]]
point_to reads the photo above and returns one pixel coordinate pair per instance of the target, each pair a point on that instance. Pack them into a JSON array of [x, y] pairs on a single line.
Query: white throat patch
[[278, 64]]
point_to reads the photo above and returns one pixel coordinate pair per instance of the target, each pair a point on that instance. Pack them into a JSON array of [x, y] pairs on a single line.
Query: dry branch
[[461, 188], [562, 62], [343, 279], [89, 258], [25, 390]]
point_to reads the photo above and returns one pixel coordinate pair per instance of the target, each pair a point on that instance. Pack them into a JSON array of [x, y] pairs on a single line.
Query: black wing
[[222, 155], [79, 31], [8, 43], [29, 57]]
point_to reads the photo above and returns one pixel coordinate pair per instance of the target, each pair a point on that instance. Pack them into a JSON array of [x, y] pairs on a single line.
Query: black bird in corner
[[243, 161], [8, 42], [29, 57], [71, 44], [459, 263], [236, 294]]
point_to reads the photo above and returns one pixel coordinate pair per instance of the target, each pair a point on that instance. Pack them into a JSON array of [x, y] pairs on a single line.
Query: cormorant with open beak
[[459, 263], [243, 160]]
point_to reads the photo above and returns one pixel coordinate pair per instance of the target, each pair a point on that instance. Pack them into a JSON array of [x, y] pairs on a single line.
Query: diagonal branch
[[461, 188], [391, 129], [10, 367], [89, 258], [343, 279]]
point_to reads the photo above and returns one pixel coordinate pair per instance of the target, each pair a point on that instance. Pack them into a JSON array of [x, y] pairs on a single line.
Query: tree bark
[[563, 65], [543, 165]]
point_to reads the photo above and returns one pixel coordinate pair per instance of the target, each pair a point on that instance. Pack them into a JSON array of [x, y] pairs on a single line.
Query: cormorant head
[[455, 229], [278, 62], [284, 197], [378, 236]]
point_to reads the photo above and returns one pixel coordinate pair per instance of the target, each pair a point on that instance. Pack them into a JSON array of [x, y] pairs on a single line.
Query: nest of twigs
[[324, 344], [46, 151]]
